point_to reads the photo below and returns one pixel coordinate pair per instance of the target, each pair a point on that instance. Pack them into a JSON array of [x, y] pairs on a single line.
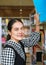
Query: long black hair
[[10, 23]]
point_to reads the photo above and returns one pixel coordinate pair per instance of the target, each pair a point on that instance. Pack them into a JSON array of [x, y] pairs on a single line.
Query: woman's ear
[[9, 32]]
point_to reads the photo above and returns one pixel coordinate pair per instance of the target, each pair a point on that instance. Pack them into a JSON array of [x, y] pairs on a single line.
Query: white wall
[[0, 39]]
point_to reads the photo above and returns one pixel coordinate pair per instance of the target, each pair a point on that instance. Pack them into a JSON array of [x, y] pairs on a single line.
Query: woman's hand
[[36, 18]]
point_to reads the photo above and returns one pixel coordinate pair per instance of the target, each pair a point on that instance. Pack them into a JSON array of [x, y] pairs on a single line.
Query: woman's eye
[[22, 28], [16, 29]]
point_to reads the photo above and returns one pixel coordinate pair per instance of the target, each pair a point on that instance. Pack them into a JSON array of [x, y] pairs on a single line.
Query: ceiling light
[[20, 10]]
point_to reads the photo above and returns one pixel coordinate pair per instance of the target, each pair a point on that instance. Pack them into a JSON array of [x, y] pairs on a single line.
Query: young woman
[[13, 52]]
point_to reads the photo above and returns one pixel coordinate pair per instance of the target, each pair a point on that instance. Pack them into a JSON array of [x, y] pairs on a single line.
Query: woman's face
[[17, 31]]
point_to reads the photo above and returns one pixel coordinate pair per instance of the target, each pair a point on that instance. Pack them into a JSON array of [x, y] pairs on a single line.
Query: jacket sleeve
[[32, 40], [8, 56]]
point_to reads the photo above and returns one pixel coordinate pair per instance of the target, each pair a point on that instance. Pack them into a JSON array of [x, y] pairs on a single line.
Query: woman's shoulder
[[7, 49], [8, 46]]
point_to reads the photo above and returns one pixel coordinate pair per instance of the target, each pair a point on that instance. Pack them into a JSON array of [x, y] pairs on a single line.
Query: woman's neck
[[16, 41]]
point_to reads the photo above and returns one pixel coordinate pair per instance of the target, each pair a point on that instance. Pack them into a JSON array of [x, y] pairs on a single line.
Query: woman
[[13, 52]]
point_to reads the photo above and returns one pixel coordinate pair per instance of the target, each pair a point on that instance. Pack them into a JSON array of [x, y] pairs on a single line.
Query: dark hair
[[9, 27]]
